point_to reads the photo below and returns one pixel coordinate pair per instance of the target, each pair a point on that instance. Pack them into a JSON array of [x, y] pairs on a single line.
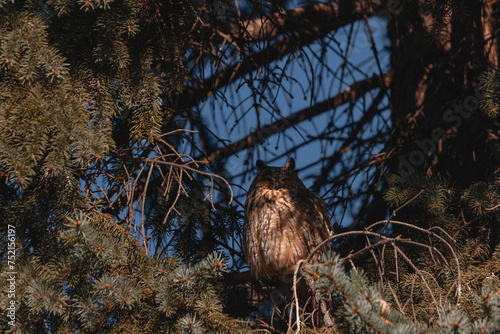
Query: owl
[[284, 221]]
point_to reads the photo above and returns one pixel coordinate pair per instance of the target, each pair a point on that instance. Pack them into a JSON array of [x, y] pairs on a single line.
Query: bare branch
[[306, 24], [357, 90], [312, 19]]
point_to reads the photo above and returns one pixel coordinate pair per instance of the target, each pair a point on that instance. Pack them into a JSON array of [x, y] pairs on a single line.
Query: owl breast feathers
[[284, 221]]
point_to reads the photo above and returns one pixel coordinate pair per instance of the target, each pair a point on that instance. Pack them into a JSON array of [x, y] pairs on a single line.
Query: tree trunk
[[438, 126]]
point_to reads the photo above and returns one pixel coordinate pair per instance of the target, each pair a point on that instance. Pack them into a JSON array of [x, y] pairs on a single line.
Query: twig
[[493, 208], [419, 273], [297, 308], [429, 232], [384, 240], [393, 214]]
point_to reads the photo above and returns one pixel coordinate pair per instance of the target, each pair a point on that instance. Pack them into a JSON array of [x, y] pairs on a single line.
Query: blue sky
[[221, 120], [295, 95]]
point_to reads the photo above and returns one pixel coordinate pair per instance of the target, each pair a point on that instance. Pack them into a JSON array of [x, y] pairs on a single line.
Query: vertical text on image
[[11, 266]]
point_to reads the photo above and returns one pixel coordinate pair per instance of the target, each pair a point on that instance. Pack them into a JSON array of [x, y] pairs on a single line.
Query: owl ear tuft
[[290, 165], [261, 165]]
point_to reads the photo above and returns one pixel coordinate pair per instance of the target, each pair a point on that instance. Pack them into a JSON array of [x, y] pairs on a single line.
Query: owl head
[[276, 178]]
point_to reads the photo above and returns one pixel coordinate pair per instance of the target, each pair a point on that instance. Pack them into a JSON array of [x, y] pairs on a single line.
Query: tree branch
[[356, 90], [312, 19], [306, 24]]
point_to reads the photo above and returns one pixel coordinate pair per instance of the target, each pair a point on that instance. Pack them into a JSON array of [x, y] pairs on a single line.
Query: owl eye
[[286, 178], [268, 177]]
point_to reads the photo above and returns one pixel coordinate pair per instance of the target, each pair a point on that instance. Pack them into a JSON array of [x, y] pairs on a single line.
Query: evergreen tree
[[116, 209], [78, 95]]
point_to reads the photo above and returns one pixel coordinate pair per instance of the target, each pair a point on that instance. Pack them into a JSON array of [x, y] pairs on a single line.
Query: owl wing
[[316, 220]]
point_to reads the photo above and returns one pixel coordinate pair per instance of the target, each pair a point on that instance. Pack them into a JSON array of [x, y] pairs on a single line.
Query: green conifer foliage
[[490, 81], [437, 271], [88, 142], [364, 308], [77, 90], [99, 280], [43, 110]]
